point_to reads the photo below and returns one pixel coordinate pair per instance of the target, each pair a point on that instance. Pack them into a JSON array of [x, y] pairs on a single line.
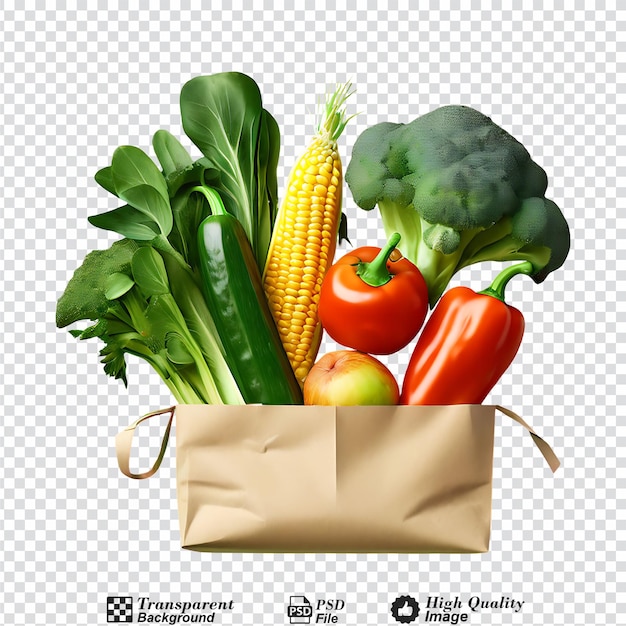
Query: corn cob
[[305, 236]]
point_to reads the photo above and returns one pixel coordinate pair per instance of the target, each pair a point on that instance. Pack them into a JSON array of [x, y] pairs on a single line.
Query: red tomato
[[371, 303]]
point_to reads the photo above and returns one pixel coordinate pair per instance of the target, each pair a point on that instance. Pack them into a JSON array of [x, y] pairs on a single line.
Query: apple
[[348, 378]]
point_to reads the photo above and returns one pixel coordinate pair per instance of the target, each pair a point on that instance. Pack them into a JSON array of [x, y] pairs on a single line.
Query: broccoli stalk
[[436, 267], [460, 190]]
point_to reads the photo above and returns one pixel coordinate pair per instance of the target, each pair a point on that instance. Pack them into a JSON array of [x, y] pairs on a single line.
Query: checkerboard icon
[[119, 610]]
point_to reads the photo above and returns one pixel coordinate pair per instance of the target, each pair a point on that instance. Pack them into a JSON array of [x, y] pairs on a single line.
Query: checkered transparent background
[[78, 82]]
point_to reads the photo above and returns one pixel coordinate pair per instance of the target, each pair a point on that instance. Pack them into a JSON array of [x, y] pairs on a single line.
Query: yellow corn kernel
[[304, 238]]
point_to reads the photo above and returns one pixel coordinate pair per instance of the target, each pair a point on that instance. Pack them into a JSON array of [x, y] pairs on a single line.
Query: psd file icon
[[120, 610], [299, 610]]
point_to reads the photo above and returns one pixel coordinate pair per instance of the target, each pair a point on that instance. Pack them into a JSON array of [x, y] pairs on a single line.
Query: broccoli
[[460, 190]]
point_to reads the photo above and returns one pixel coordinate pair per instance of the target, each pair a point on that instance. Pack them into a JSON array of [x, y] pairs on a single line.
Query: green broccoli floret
[[460, 190]]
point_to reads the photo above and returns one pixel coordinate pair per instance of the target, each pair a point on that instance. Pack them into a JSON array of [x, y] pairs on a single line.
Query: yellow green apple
[[348, 378]]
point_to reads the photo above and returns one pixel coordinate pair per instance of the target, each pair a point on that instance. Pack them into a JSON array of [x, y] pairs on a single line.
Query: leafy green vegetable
[[126, 289], [189, 205], [199, 172], [149, 272], [459, 190], [267, 181], [224, 117], [128, 222], [117, 285], [134, 178], [170, 152], [104, 178], [143, 294]]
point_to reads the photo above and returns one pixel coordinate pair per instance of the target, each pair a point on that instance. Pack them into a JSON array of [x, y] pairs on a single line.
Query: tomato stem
[[497, 287], [375, 273]]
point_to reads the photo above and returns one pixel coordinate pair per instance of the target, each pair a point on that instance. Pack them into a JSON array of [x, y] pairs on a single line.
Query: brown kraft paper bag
[[392, 479]]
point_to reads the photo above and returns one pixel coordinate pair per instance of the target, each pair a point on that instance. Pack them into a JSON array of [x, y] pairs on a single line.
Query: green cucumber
[[232, 287]]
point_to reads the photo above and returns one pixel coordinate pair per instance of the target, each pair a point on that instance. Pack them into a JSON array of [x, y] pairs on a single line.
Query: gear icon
[[405, 609]]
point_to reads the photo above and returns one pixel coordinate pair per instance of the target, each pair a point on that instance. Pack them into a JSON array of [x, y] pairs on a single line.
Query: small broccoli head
[[447, 177], [459, 168], [85, 296], [369, 173], [540, 225]]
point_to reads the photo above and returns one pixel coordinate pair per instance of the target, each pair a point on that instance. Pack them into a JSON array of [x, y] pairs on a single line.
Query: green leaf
[[132, 167], [271, 158], [177, 350], [163, 316], [139, 182], [268, 152], [198, 173], [170, 152], [104, 178], [150, 202], [117, 284], [128, 222], [149, 272], [116, 326], [190, 209], [114, 361], [97, 330], [221, 114]]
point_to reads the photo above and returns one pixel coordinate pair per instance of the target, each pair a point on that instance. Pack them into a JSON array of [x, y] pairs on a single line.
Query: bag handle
[[124, 442], [544, 447]]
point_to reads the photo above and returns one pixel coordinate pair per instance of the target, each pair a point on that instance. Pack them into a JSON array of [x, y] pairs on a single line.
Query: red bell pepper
[[467, 344], [371, 303]]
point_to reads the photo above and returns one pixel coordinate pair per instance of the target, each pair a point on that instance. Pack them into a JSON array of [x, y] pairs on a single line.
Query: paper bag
[[388, 479]]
